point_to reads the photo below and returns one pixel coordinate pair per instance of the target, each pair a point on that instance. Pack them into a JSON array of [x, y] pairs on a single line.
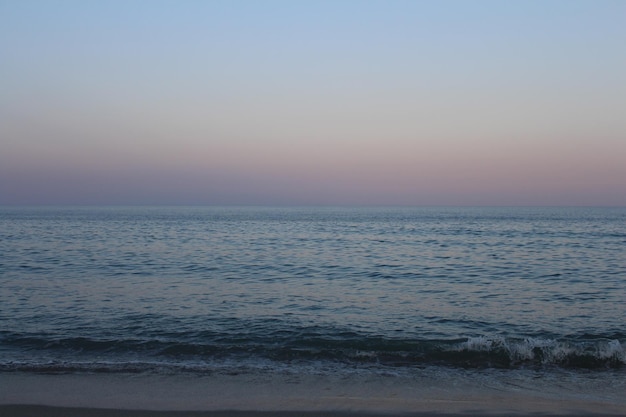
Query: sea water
[[522, 295]]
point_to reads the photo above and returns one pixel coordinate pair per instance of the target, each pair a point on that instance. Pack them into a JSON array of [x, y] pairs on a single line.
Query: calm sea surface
[[394, 290]]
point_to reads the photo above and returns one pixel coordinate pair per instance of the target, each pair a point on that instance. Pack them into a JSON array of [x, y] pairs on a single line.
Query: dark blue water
[[208, 289]]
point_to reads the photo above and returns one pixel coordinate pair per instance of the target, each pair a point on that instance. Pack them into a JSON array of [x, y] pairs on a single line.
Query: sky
[[313, 102]]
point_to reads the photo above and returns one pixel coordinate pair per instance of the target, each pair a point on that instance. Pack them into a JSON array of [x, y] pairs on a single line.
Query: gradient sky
[[313, 102]]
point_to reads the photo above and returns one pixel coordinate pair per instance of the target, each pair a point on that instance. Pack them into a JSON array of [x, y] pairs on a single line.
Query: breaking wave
[[88, 355]]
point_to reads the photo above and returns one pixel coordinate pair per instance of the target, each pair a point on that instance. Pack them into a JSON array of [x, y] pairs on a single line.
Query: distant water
[[313, 290]]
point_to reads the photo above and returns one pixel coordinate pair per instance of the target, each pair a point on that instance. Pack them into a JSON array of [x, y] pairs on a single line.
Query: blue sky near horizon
[[321, 102]]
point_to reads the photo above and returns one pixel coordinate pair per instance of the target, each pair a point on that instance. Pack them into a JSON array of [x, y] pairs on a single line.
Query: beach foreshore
[[97, 395], [46, 411]]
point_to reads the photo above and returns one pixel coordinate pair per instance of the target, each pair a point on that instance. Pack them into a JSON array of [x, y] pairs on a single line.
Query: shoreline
[[21, 410], [271, 395]]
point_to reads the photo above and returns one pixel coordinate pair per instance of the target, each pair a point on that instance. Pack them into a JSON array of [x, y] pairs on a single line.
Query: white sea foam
[[547, 351], [525, 350], [612, 349], [483, 343]]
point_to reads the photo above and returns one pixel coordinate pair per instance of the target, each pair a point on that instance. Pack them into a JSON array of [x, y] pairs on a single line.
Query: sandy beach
[[257, 395], [45, 411]]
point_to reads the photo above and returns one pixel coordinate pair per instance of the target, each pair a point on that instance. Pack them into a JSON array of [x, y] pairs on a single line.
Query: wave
[[42, 354], [532, 351]]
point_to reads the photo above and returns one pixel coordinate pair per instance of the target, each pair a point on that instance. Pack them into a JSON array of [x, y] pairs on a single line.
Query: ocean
[[524, 296]]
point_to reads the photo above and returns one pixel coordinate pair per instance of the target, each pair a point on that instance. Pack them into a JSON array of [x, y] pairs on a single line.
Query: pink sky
[[476, 103]]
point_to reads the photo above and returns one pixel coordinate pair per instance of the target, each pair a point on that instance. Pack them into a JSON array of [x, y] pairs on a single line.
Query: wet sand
[[107, 395], [46, 411]]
